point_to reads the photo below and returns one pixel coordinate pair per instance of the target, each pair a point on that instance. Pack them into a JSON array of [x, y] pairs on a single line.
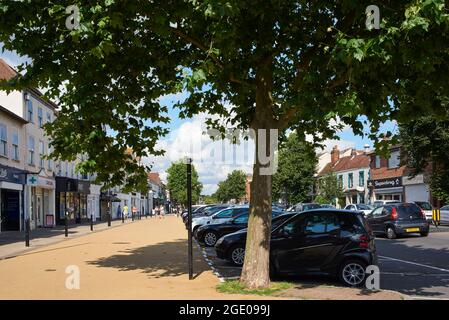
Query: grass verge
[[236, 287]]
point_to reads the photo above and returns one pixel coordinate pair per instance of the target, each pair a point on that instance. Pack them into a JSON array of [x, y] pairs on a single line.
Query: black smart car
[[209, 234], [397, 219], [323, 241]]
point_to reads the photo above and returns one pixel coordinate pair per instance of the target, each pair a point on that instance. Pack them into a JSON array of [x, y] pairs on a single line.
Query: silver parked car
[[444, 215]]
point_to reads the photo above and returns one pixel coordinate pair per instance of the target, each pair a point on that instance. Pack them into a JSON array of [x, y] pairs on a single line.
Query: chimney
[[353, 152], [335, 155], [366, 147]]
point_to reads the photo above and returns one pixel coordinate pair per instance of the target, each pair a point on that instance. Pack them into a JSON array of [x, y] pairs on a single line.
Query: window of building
[[41, 154], [361, 178], [340, 181], [49, 161], [350, 180], [40, 117], [393, 161], [48, 117], [3, 140], [30, 110], [377, 160], [15, 145], [31, 150]]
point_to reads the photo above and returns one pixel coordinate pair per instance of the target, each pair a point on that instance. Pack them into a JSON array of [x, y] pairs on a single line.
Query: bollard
[[132, 216], [27, 232], [123, 217], [91, 222], [109, 219], [66, 226]]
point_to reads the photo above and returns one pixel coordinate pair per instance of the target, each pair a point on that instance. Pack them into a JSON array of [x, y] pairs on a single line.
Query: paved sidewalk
[[146, 259], [12, 243]]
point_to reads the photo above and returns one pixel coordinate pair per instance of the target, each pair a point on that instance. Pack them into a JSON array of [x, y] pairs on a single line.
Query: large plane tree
[[308, 66]]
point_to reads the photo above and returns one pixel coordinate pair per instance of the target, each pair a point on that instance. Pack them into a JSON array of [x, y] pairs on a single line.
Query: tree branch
[[200, 45]]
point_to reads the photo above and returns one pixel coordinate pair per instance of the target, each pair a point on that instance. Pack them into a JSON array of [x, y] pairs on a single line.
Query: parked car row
[[221, 221], [321, 241], [318, 240]]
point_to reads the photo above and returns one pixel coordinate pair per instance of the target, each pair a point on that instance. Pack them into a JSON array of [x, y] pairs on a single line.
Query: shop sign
[[385, 183]]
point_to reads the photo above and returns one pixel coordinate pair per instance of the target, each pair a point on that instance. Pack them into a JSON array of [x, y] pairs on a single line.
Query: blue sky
[[181, 136]]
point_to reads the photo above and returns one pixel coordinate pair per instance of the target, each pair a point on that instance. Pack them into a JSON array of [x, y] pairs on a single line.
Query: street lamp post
[[189, 212]]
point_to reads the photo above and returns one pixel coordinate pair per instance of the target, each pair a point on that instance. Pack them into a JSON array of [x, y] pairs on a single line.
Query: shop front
[[71, 200], [12, 181], [386, 189], [42, 200], [416, 189]]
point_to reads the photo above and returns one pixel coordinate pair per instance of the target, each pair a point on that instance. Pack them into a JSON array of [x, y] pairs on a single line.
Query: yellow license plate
[[412, 230]]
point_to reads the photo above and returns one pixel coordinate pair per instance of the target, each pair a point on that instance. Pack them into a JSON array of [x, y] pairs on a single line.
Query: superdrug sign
[[385, 183]]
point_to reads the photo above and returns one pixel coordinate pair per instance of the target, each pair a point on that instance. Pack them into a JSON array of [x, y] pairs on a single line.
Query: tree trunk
[[255, 272]]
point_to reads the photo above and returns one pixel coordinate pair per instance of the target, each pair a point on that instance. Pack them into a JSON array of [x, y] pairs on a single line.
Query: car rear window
[[424, 205], [353, 223], [409, 210]]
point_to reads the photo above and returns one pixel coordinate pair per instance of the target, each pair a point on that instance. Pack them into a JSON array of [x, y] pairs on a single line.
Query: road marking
[[414, 263]]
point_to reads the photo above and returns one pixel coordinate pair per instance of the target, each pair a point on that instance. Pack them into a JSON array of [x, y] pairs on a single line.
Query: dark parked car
[[397, 219], [205, 211], [209, 234], [306, 206], [323, 241]]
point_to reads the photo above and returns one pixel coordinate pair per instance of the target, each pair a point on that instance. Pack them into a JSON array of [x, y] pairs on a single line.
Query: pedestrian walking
[[153, 213], [119, 212], [125, 211], [162, 212]]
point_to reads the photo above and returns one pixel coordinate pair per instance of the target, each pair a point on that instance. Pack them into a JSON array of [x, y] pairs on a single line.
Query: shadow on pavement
[[165, 259]]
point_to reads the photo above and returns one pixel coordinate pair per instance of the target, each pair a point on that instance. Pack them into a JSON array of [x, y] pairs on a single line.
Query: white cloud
[[213, 160]]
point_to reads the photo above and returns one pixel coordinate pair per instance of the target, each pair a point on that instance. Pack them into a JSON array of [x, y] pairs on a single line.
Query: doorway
[[10, 210], [39, 211]]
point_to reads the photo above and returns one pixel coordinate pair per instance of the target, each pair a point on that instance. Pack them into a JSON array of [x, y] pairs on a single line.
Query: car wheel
[[391, 233], [210, 238], [424, 233], [353, 273], [195, 229], [237, 255]]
